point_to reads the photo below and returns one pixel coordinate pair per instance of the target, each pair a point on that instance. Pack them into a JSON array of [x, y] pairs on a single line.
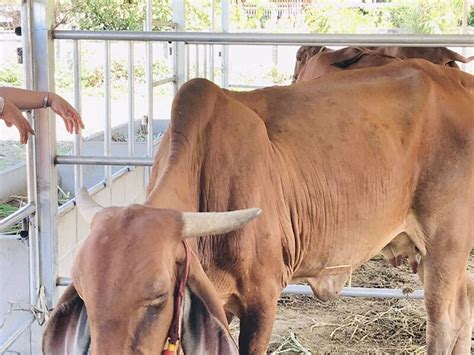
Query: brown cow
[[436, 55], [342, 59], [355, 58], [303, 54], [129, 266], [341, 166]]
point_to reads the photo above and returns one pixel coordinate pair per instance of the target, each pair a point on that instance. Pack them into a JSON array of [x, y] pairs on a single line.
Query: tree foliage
[[119, 15], [421, 16], [322, 16]]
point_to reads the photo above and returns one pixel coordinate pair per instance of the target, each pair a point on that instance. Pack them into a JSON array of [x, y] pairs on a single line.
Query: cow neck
[[174, 332]]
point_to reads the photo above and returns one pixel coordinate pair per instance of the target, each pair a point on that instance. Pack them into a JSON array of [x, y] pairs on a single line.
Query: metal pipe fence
[[274, 39], [358, 292], [363, 292], [77, 145], [108, 113], [131, 99], [17, 216], [164, 81], [101, 160]]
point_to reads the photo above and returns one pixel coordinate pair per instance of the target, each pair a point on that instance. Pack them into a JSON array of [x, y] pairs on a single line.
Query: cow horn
[[86, 206], [197, 224]]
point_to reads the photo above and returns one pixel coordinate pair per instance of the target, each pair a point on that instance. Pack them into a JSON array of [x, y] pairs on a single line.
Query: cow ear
[[204, 325], [67, 331], [348, 56]]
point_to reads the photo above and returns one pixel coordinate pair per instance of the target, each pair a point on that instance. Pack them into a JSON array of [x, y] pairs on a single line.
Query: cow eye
[[157, 300]]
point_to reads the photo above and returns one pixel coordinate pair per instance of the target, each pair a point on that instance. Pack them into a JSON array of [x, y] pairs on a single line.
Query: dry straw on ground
[[401, 327], [352, 326]]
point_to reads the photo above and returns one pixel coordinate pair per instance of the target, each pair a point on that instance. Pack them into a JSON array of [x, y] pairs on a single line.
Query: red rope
[[174, 331]]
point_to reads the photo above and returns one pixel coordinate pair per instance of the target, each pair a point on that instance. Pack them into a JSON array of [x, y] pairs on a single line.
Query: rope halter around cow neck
[[174, 333]]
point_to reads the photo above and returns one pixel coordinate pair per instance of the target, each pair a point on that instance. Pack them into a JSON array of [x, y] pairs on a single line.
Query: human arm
[[29, 99]]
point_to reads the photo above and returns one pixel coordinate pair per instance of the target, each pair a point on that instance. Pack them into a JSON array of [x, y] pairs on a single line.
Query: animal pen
[[42, 254]]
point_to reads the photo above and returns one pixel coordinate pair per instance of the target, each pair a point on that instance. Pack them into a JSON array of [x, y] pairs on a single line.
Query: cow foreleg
[[447, 297], [256, 322]]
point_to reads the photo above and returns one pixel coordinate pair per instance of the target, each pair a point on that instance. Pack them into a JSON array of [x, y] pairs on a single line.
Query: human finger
[[77, 118], [25, 129], [23, 135], [29, 129], [70, 126], [77, 126]]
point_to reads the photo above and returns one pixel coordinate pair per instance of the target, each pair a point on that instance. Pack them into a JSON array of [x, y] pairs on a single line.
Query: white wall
[[13, 181], [72, 229]]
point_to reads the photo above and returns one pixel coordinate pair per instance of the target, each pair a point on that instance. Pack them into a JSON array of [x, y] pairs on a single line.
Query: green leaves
[[120, 15], [422, 16], [6, 210]]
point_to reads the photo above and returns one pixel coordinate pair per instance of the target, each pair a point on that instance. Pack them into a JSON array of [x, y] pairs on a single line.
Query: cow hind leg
[[447, 290]]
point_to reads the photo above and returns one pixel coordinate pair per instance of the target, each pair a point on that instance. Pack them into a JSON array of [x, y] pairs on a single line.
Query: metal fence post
[[77, 147], [465, 30], [149, 86], [179, 55], [108, 117], [131, 99], [31, 168], [46, 185], [225, 48], [211, 49]]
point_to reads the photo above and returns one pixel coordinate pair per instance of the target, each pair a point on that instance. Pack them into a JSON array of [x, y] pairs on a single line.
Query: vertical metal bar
[[47, 183], [175, 63], [30, 151], [108, 115], [211, 53], [149, 85], [77, 147], [225, 48], [188, 65], [205, 69], [197, 60], [465, 14], [275, 55], [33, 241], [180, 53], [131, 100]]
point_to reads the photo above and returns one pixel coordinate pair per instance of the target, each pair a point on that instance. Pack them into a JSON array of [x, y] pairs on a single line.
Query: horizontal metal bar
[[101, 160], [66, 207], [359, 292], [164, 81], [63, 281], [17, 216], [246, 86], [346, 291], [7, 340], [274, 38]]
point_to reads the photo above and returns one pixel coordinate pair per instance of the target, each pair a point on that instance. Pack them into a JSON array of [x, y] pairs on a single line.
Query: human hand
[[13, 117], [71, 117]]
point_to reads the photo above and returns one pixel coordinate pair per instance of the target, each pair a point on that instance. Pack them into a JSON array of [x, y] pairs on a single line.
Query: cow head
[[303, 54], [124, 281]]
